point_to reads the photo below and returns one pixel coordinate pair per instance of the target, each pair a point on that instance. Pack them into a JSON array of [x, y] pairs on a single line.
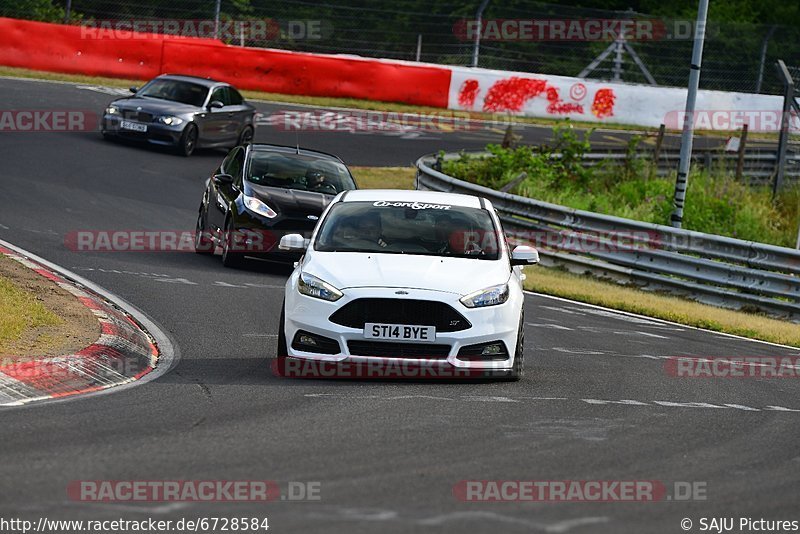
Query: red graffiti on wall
[[513, 93], [468, 93], [558, 106], [603, 105]]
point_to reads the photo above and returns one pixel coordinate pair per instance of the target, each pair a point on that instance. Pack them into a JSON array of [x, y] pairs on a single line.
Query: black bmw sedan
[[262, 192], [184, 112]]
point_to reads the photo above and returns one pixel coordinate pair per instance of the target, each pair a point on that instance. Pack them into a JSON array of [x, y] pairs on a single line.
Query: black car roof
[[207, 82], [283, 149]]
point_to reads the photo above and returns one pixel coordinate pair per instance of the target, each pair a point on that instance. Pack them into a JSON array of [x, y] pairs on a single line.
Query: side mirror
[[223, 179], [293, 243], [523, 255], [133, 89], [215, 104]]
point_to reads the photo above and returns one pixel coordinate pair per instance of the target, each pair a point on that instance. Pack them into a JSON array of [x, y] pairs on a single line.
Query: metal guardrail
[[719, 270], [758, 167]]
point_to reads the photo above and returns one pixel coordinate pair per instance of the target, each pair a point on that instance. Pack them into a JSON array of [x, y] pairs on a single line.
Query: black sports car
[[184, 112], [262, 192]]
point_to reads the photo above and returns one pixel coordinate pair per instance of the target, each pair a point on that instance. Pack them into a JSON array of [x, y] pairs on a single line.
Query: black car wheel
[[188, 140], [230, 258], [203, 244], [246, 136]]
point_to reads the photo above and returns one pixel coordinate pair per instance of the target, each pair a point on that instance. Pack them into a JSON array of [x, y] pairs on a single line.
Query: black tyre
[[203, 244], [246, 136], [518, 369], [282, 351], [230, 258], [188, 141]]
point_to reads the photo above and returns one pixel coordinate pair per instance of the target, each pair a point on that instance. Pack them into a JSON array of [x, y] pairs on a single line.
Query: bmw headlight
[[491, 296], [258, 207], [311, 286], [169, 120], [112, 110]]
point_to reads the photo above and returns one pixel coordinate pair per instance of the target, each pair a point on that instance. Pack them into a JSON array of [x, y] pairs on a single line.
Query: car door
[[224, 194], [216, 120], [242, 111]]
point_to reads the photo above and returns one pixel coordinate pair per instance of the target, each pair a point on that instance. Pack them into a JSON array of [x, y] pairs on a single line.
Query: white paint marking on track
[[495, 518], [587, 307], [176, 281], [549, 325], [593, 402], [4, 227]]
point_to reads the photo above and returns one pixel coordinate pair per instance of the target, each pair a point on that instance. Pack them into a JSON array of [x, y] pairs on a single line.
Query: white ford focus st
[[411, 276]]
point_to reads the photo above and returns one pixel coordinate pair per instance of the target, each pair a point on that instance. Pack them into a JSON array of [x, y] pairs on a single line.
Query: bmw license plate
[[133, 126], [400, 332]]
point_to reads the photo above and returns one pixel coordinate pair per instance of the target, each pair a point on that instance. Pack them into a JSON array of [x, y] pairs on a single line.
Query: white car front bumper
[[489, 324]]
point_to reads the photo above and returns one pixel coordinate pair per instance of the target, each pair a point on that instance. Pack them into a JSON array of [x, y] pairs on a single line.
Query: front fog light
[[492, 350]]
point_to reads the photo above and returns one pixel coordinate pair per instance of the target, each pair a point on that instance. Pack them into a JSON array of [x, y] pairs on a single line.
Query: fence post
[[740, 162], [659, 142], [788, 99], [479, 20], [68, 12], [419, 46]]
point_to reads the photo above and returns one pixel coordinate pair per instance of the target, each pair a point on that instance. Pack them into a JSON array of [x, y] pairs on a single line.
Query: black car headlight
[[258, 207], [112, 110]]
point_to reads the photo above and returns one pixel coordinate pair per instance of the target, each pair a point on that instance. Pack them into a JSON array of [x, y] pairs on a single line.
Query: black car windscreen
[[420, 228], [175, 90], [297, 171]]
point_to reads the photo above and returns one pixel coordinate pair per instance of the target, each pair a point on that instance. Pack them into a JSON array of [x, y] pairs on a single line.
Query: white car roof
[[401, 195]]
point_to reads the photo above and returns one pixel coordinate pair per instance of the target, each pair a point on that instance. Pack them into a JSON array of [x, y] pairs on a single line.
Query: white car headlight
[[112, 110], [491, 296], [169, 120], [258, 207], [310, 285]]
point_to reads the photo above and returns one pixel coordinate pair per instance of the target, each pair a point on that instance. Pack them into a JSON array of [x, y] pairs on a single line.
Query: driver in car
[[369, 228], [316, 181]]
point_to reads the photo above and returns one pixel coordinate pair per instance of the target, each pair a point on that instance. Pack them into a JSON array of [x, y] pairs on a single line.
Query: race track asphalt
[[386, 455]]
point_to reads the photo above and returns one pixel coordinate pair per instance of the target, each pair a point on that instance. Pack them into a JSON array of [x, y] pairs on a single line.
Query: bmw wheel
[[246, 137], [188, 141]]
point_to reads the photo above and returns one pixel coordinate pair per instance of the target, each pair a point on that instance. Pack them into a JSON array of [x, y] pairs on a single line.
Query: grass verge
[[20, 311], [384, 177], [612, 295]]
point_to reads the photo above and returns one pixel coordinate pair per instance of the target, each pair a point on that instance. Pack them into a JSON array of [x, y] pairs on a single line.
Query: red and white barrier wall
[[603, 102], [72, 49]]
